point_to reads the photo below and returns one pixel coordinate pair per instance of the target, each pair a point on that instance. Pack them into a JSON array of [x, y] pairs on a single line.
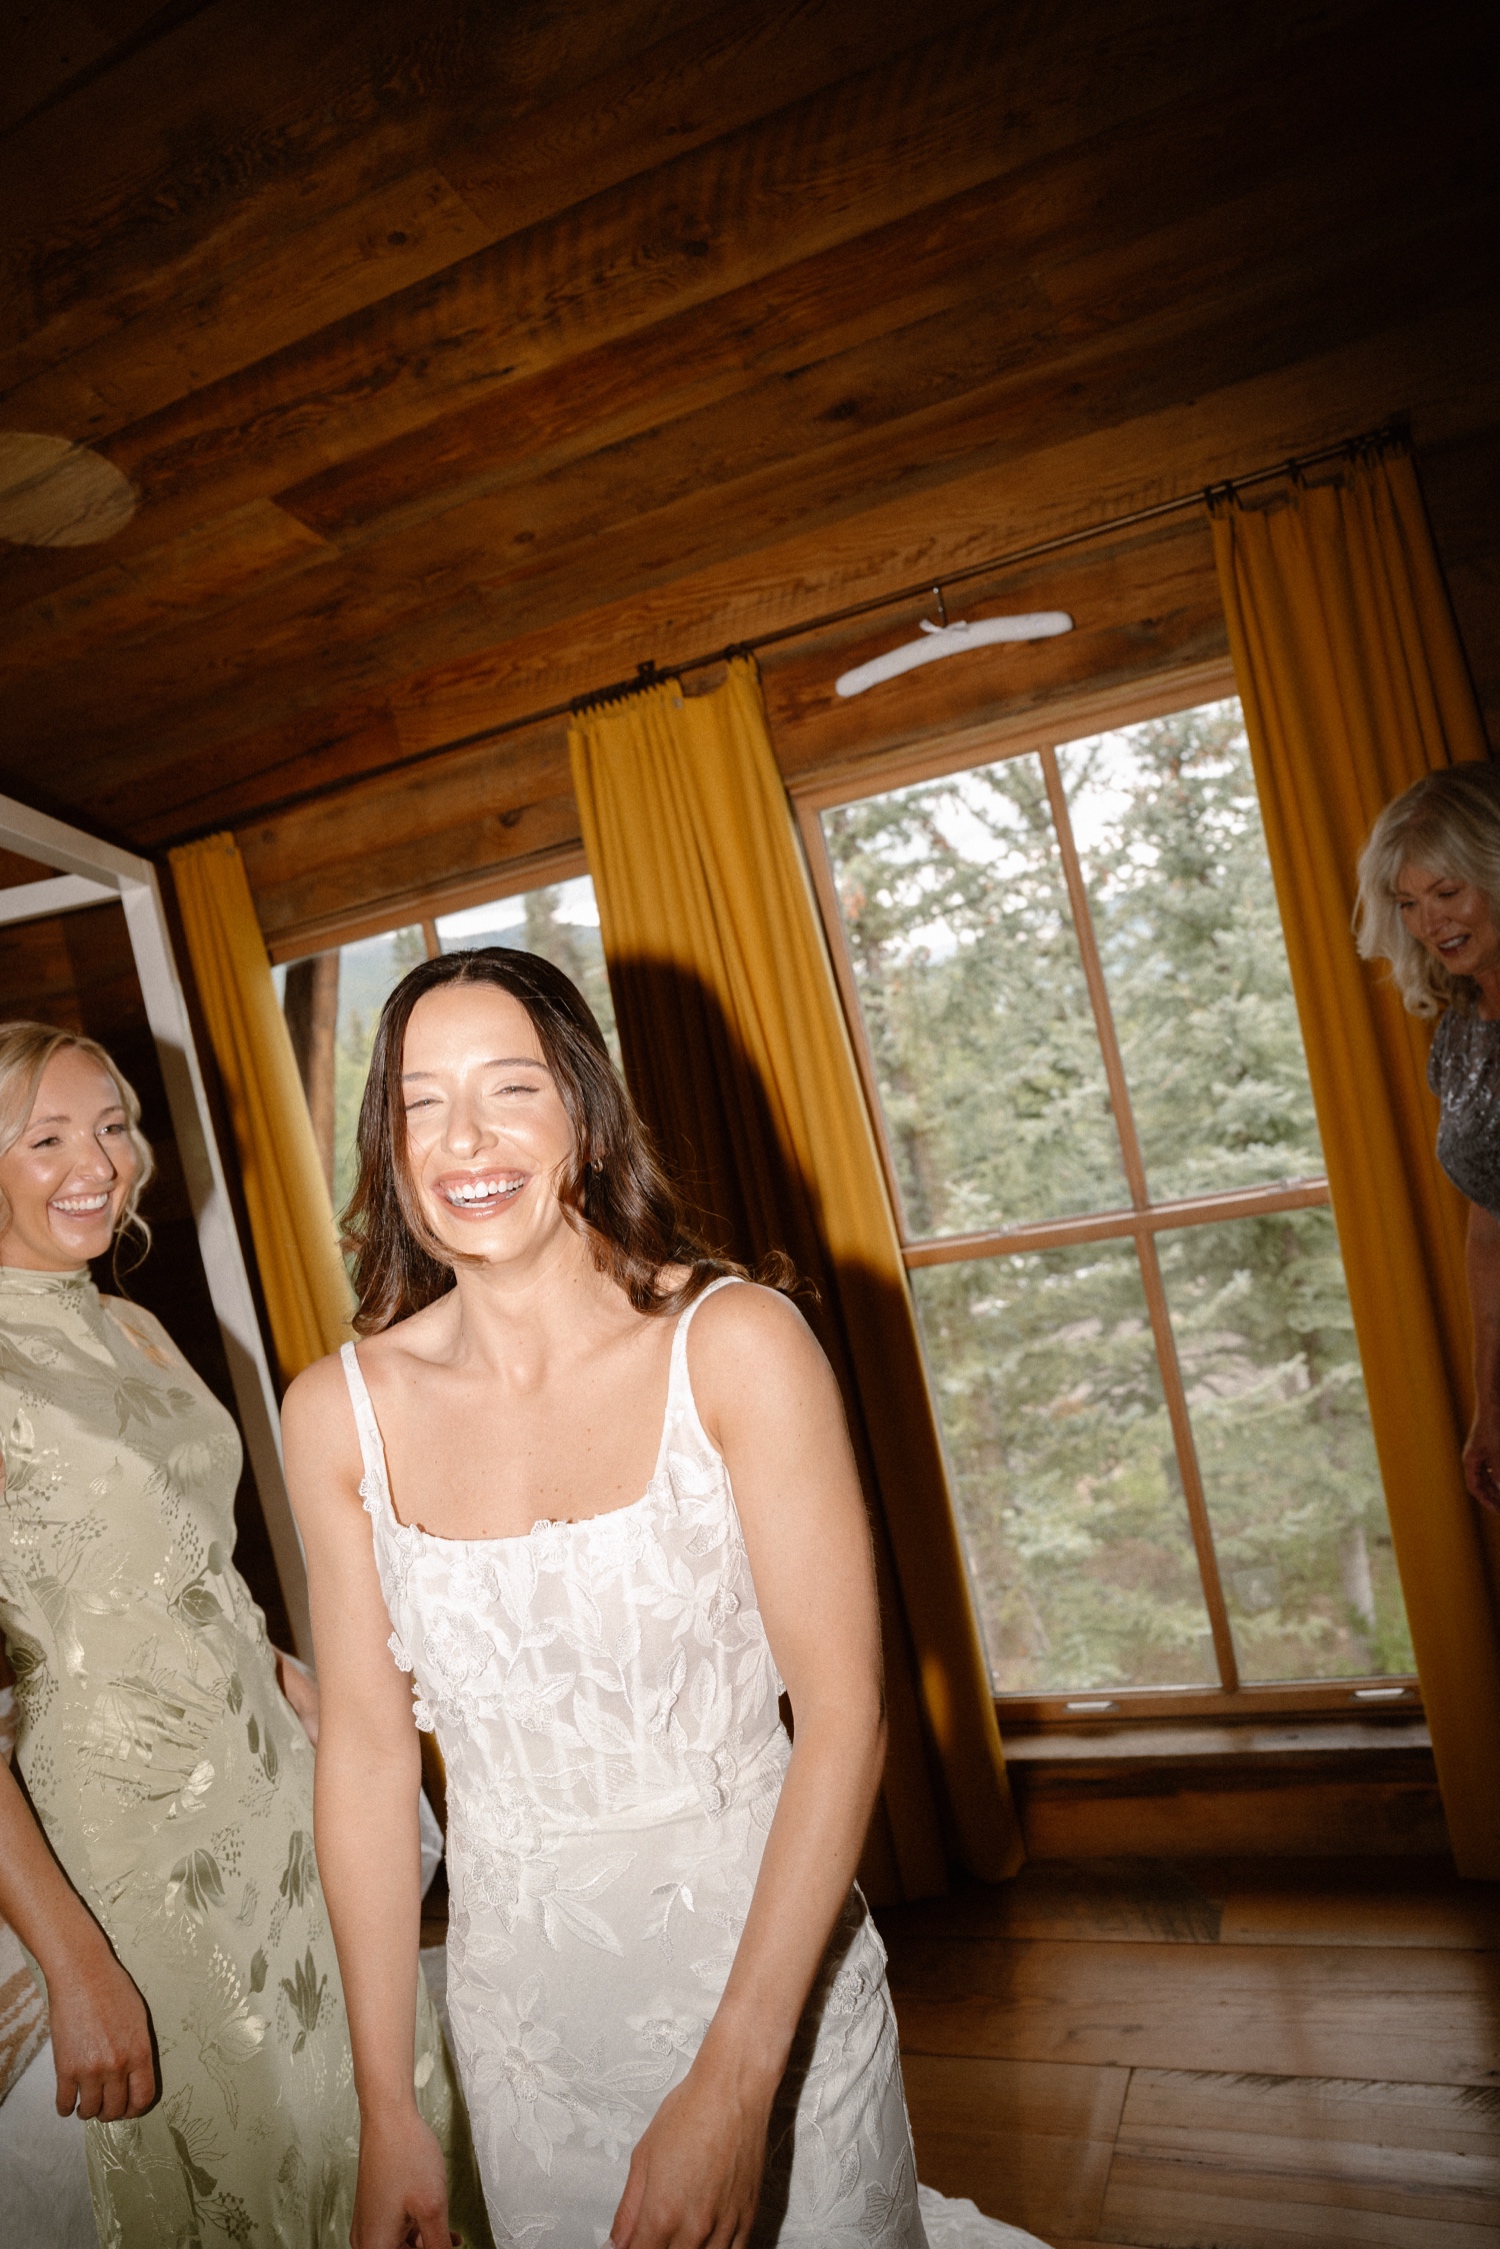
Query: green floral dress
[[175, 1784]]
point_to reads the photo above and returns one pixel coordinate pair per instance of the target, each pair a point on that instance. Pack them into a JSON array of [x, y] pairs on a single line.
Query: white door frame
[[90, 873]]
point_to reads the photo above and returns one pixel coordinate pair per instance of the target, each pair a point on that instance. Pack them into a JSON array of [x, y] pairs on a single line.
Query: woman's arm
[[101, 2034], [769, 1402], [1482, 1452], [368, 1775]]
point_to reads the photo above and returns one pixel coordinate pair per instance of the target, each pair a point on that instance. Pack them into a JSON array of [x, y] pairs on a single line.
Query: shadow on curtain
[[1354, 685], [737, 1054]]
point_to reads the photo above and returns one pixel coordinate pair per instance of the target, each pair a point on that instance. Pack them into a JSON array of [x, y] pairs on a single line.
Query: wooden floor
[[1252, 2054]]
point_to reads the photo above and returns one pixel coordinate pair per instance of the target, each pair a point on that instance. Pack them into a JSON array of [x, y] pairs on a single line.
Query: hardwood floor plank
[[1031, 2143], [1058, 2100], [1455, 1924], [1323, 2011], [1154, 2214], [1259, 2168], [1085, 1901], [1457, 2120], [1024, 2179]]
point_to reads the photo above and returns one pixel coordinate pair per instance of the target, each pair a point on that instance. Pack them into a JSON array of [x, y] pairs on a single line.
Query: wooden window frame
[[423, 908], [1140, 1219]]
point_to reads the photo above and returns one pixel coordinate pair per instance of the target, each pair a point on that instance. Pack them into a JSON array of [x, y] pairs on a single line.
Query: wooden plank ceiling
[[464, 356]]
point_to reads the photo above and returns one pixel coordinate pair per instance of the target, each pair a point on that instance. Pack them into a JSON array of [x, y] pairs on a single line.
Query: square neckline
[[359, 1390]]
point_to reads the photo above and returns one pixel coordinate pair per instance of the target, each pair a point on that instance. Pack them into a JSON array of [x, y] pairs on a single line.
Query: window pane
[[1169, 832], [561, 922], [1064, 1472], [369, 971], [972, 991], [1266, 1343]]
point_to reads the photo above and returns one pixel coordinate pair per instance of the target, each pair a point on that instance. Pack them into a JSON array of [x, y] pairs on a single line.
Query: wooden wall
[[77, 971]]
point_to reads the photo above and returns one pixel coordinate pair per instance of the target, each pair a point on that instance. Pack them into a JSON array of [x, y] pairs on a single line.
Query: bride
[[610, 1510]]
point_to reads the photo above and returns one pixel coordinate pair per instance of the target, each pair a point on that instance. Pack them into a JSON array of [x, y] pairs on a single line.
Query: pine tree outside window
[[1068, 986]]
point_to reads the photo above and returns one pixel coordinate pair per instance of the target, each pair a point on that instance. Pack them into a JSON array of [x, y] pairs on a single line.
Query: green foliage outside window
[[991, 1079]]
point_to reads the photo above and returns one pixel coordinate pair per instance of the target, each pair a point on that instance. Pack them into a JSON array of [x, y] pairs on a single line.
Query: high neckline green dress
[[175, 1785]]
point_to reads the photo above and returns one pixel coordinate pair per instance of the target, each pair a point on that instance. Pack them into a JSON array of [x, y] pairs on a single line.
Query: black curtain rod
[[1392, 433]]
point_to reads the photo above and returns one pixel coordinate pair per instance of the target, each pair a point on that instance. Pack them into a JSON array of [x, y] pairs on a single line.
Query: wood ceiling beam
[[269, 121], [457, 595], [1031, 299], [187, 329], [1448, 370], [912, 132]]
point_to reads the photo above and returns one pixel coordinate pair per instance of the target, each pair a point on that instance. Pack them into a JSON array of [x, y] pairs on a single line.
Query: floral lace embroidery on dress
[[606, 1703]]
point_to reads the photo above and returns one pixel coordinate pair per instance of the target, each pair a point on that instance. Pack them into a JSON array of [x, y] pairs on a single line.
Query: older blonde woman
[[159, 1862], [1429, 903]]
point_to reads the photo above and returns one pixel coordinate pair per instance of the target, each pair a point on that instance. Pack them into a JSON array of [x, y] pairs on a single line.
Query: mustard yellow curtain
[[302, 1275], [738, 1055], [1354, 685]]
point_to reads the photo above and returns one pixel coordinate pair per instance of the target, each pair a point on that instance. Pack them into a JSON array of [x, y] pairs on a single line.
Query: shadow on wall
[[716, 1127]]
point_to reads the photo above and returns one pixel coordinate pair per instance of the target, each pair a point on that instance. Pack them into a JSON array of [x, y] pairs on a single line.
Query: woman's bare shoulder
[[747, 1332], [317, 1400]]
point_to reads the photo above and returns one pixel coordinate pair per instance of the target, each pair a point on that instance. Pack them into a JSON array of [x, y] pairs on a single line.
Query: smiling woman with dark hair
[[601, 1488], [1429, 903]]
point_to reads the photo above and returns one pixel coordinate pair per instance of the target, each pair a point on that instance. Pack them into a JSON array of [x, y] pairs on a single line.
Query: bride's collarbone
[[471, 1465]]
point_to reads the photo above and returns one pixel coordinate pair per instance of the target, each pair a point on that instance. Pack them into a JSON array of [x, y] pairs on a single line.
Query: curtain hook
[[942, 606]]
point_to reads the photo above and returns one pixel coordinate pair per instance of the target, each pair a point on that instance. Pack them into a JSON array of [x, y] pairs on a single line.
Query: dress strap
[[371, 1447], [679, 1384]]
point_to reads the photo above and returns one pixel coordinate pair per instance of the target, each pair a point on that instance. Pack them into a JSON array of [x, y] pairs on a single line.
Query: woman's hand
[[695, 2175], [101, 2039], [1482, 1458], [401, 2200], [300, 1687]]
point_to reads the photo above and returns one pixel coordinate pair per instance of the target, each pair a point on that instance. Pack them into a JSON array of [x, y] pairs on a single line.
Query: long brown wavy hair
[[612, 1186]]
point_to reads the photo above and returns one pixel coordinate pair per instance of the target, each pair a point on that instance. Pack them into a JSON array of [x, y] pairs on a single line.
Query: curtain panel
[[1354, 685], [306, 1290], [737, 1053]]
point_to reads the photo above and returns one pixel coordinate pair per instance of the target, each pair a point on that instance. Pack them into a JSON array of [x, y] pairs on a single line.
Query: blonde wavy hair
[[25, 1051], [1449, 824]]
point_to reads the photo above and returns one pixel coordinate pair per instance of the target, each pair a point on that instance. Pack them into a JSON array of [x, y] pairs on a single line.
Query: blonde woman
[[158, 1864], [1429, 903]]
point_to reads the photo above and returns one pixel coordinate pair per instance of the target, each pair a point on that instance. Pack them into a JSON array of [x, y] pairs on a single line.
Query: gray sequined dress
[[1463, 1070]]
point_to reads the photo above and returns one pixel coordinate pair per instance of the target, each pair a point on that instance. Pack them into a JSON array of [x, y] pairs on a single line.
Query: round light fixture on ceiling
[[54, 493]]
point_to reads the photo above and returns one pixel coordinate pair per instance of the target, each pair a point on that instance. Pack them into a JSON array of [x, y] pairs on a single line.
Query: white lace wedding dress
[[606, 1703]]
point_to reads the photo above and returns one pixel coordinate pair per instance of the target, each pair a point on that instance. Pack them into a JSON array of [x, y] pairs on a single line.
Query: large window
[[1067, 975], [333, 1000]]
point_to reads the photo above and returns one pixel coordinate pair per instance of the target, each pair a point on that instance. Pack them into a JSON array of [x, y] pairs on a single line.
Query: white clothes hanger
[[951, 640]]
